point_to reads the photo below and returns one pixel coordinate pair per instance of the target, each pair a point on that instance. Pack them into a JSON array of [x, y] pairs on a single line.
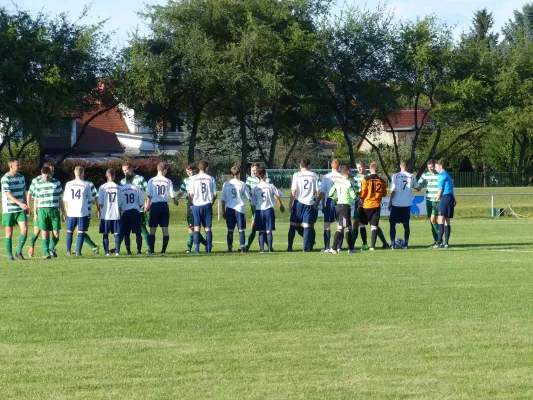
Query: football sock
[[55, 241], [300, 230], [230, 240], [381, 236], [146, 236], [392, 233], [312, 237], [46, 247], [447, 233], [165, 244], [202, 239], [242, 239], [22, 241], [270, 241], [33, 239], [69, 241], [306, 238], [327, 238], [261, 241], [151, 243], [9, 246], [105, 243], [251, 238], [196, 241], [435, 231], [407, 230], [355, 234], [209, 239], [190, 240], [89, 241], [79, 242], [374, 237], [139, 240], [127, 243], [363, 235], [292, 233], [336, 240], [117, 243], [348, 235], [441, 233], [340, 243]]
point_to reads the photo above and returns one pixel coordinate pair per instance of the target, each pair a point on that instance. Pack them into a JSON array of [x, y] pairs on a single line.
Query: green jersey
[[430, 182], [186, 185], [253, 181], [16, 185], [358, 181], [48, 193], [138, 181], [94, 193], [343, 192]]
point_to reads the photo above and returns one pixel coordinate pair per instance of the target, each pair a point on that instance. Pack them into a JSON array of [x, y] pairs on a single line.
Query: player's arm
[[214, 189], [364, 190], [172, 193], [149, 194], [223, 198], [280, 202], [62, 208], [12, 198]]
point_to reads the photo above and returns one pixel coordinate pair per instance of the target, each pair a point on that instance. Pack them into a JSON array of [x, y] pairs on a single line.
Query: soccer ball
[[399, 243]]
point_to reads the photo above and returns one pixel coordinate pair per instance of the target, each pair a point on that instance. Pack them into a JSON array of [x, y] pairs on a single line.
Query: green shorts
[[12, 219], [49, 219], [429, 208], [144, 219]]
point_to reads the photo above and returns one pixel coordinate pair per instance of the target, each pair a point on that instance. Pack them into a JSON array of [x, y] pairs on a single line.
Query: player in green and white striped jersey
[[430, 181], [30, 196], [142, 184], [87, 239], [14, 208], [48, 202], [185, 190]]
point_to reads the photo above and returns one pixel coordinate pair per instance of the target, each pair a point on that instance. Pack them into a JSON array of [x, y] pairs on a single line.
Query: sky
[[122, 14]]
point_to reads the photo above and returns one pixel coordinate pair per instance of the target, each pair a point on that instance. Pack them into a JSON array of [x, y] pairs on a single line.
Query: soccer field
[[421, 323]]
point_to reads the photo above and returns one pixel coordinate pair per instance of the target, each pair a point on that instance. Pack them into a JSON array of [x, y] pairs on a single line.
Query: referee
[[445, 204]]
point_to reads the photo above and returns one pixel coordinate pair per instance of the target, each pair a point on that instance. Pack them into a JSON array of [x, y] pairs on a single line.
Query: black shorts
[[400, 215], [446, 206], [372, 215], [343, 215]]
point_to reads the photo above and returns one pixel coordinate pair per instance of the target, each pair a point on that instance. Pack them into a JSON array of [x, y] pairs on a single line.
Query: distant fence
[[282, 178]]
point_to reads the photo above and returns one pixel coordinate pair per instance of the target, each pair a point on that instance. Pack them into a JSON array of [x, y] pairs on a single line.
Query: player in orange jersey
[[372, 191]]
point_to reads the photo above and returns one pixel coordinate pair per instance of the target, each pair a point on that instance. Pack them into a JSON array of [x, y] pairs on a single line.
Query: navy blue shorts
[[203, 215], [233, 217], [131, 222], [265, 220], [400, 215], [81, 222], [330, 215], [109, 226], [159, 215], [301, 213], [446, 206]]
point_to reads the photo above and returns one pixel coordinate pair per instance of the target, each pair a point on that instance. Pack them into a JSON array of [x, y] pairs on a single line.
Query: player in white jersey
[[77, 197], [328, 204], [234, 194], [401, 199], [262, 200], [131, 199], [160, 190], [109, 211], [303, 200], [203, 194]]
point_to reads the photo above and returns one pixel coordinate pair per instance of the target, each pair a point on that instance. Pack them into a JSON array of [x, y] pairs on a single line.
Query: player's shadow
[[478, 245]]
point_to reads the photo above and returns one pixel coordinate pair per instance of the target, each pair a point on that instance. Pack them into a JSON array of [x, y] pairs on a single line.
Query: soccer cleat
[[67, 253], [436, 246], [11, 258], [128, 253], [163, 253], [372, 248], [187, 252], [96, 250], [77, 255], [405, 247], [117, 254], [324, 250], [289, 250], [365, 247], [432, 246], [392, 247], [446, 246], [46, 257], [31, 251], [107, 254], [20, 256], [147, 252], [230, 252], [333, 251], [385, 246], [139, 252], [53, 254]]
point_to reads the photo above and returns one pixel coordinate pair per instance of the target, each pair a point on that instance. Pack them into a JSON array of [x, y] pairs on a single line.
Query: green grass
[[425, 324]]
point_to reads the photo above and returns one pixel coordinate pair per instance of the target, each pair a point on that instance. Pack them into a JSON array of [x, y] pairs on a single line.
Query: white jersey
[[203, 189], [109, 201], [328, 181], [305, 183], [78, 196], [234, 193], [131, 197], [402, 186], [160, 189], [263, 196]]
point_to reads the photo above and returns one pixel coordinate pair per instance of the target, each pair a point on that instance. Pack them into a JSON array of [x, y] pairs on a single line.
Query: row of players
[[123, 210]]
